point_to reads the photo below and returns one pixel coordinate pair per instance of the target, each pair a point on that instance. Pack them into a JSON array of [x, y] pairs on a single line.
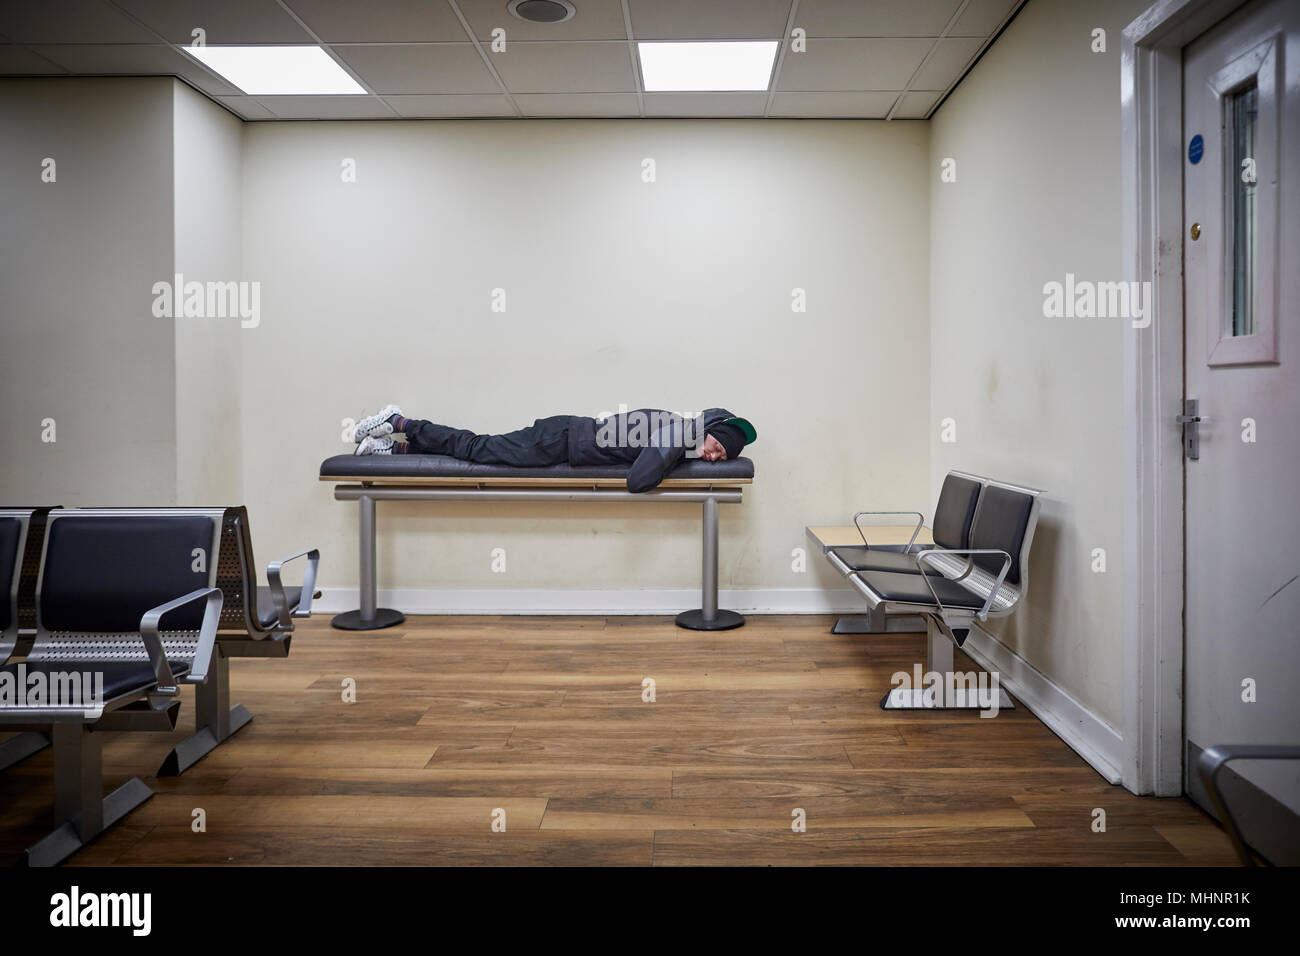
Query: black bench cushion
[[266, 615], [954, 512], [120, 677], [860, 558], [102, 573], [911, 589], [10, 532], [1001, 523], [443, 466]]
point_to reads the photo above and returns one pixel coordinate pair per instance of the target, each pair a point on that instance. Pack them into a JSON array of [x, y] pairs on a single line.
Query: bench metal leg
[[216, 720], [81, 811], [708, 617], [938, 660], [20, 747], [368, 617]]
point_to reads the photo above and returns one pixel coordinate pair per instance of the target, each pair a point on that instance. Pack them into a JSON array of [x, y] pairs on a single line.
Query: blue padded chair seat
[[266, 615], [120, 677], [861, 558], [378, 467], [911, 589]]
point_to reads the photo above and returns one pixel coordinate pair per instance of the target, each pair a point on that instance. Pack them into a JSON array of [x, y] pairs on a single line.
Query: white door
[[1241, 352]]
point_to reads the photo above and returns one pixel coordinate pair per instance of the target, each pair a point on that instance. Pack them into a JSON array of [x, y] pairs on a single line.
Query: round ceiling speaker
[[542, 11]]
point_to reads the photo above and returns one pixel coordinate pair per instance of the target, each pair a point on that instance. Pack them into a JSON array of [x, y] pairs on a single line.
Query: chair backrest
[[1003, 522], [102, 569], [1005, 518], [237, 577], [13, 535], [955, 510]]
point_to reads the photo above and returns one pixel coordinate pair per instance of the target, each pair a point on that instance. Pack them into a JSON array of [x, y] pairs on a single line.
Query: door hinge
[[1190, 419]]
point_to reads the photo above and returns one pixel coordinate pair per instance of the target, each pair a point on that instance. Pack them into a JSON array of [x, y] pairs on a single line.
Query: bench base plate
[[352, 620], [21, 747], [880, 624], [721, 620], [912, 698], [53, 849]]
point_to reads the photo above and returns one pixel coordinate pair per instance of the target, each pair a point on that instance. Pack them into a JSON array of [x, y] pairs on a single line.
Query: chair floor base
[[352, 620], [911, 698], [721, 620], [19, 748], [53, 849], [193, 749]]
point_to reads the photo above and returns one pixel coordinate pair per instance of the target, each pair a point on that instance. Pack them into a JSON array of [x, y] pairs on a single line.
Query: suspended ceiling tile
[[326, 107], [947, 63], [982, 18], [380, 21], [225, 22], [566, 68], [246, 106], [594, 20], [877, 18], [873, 105], [133, 59], [577, 104], [712, 20], [451, 105], [21, 61], [419, 68], [705, 104], [69, 21], [847, 65], [916, 105]]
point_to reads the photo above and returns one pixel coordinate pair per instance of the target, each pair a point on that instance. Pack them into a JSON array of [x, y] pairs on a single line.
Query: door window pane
[[1240, 127]]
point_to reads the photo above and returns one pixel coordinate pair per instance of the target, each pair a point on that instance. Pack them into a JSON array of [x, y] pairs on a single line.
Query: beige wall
[[675, 293], [207, 203], [78, 257], [1035, 132]]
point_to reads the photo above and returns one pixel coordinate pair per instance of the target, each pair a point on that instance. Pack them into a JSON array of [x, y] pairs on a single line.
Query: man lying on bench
[[651, 440]]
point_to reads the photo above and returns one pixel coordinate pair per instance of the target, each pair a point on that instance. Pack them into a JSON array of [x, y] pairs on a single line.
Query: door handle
[[1190, 419]]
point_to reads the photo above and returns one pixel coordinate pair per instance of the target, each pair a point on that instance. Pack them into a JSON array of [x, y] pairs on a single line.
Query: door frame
[[1151, 103]]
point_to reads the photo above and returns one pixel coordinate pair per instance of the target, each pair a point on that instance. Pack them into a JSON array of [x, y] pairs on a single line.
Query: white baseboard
[[1087, 734], [578, 601]]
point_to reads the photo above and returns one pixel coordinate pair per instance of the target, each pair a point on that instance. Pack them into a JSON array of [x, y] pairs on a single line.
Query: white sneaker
[[373, 445], [376, 425]]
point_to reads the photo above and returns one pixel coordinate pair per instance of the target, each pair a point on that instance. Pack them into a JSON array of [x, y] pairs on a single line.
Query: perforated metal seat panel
[[179, 646]]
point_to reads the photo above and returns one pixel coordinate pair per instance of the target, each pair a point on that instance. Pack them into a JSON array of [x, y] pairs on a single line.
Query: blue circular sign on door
[[1196, 149]]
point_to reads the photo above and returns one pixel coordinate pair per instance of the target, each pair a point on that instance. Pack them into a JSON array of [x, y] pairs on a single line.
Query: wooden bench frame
[[369, 616]]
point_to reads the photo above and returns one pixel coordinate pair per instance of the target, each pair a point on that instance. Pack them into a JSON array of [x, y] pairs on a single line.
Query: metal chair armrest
[[920, 523], [1213, 760], [207, 638], [308, 585], [922, 560]]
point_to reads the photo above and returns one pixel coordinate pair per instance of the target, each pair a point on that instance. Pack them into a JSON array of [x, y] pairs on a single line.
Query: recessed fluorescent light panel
[[707, 67], [278, 70]]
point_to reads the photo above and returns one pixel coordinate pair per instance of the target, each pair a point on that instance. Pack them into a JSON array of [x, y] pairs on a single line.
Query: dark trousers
[[544, 442]]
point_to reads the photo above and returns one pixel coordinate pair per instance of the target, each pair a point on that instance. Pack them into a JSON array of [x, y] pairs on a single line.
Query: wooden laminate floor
[[460, 719]]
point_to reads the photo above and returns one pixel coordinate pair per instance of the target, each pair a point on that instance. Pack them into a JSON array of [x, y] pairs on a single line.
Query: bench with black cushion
[[122, 599], [953, 584], [374, 478]]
